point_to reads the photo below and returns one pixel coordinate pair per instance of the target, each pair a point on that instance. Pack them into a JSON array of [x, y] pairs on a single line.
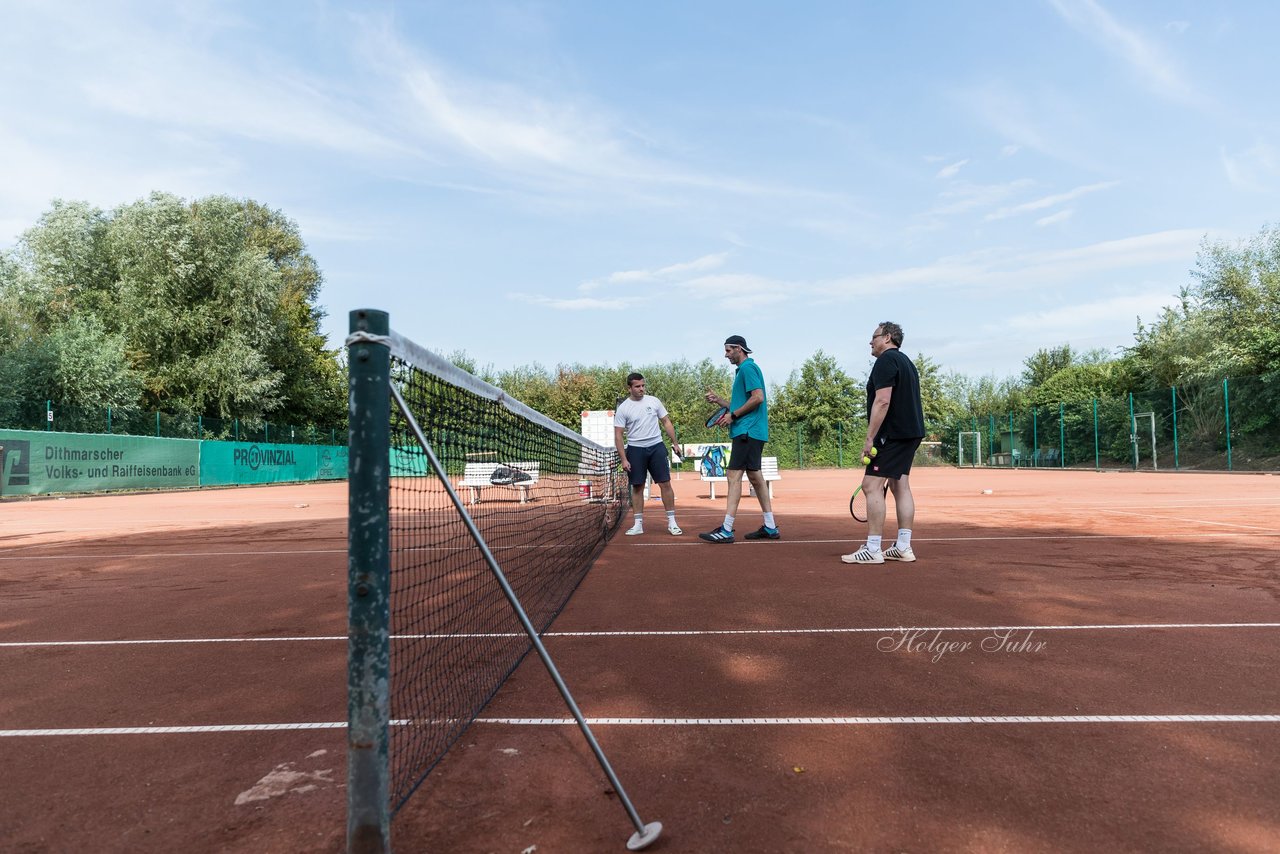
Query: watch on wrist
[[733, 416]]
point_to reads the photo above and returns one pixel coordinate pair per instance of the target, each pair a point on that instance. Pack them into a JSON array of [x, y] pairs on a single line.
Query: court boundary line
[[1262, 533], [777, 721], [654, 633]]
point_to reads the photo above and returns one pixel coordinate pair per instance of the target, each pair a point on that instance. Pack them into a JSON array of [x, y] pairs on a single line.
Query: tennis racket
[[858, 503], [715, 417]]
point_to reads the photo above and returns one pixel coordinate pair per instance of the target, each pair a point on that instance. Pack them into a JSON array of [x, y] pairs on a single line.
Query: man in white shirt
[[639, 416]]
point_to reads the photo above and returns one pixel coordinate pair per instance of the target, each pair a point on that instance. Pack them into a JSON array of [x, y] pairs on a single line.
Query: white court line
[[136, 555], [874, 721], [406, 550], [1192, 521], [773, 544], [662, 633], [690, 722]]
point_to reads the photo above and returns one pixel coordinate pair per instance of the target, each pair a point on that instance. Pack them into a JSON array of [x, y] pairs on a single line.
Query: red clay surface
[[724, 661]]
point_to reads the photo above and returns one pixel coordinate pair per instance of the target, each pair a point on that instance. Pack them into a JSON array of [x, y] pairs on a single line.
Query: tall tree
[[820, 395], [1042, 364], [1239, 288], [312, 387]]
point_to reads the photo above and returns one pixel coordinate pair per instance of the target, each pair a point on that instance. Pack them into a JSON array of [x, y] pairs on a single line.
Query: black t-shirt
[[905, 418]]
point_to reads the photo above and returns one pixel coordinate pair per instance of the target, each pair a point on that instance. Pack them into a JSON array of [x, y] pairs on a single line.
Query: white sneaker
[[902, 553], [635, 530], [674, 530], [863, 555]]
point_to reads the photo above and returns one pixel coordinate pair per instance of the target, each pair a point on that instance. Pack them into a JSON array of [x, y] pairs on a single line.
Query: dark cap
[[737, 341]]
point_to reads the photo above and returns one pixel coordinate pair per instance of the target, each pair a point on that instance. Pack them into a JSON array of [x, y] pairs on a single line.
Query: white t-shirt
[[639, 418]]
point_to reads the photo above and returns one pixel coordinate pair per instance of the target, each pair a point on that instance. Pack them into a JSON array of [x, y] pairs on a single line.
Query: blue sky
[[562, 182]]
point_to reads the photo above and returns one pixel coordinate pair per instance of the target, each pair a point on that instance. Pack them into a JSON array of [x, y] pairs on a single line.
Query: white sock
[[639, 523], [728, 523], [873, 543], [768, 521], [671, 519], [904, 538]]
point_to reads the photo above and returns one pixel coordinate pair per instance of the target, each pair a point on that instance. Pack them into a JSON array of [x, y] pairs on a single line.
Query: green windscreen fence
[[44, 463], [38, 463], [1214, 425], [233, 463]]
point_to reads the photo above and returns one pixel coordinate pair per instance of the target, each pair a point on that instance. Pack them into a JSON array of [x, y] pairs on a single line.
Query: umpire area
[[1078, 661]]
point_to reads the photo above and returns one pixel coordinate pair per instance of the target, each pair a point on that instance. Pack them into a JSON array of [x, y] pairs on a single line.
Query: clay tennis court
[[1078, 661]]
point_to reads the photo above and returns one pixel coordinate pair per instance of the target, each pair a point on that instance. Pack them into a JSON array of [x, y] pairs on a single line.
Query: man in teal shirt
[[748, 422]]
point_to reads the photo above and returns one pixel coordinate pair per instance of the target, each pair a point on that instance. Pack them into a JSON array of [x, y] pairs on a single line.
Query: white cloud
[[1010, 150], [1061, 321], [1256, 169], [962, 197], [1049, 201], [1060, 216], [577, 303], [1146, 58], [950, 171], [1004, 270], [667, 273], [736, 291]]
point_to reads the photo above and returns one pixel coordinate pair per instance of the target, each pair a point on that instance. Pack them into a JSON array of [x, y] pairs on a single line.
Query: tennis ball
[[866, 461]]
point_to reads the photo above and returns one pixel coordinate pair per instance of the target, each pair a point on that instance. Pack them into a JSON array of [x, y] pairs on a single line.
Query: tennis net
[[545, 501]]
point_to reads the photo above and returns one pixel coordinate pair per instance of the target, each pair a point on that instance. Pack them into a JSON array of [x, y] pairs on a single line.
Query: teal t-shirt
[[755, 423]]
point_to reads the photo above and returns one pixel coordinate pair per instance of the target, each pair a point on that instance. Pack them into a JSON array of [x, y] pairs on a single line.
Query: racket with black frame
[[714, 420], [858, 503]]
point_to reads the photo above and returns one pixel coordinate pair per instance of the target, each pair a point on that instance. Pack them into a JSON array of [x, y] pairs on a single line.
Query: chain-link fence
[[55, 417], [1227, 425]]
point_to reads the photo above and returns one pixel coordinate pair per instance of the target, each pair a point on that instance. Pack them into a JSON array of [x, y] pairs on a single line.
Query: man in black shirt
[[895, 429]]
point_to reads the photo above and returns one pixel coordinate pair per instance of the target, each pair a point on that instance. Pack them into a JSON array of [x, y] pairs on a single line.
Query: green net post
[[1133, 432], [368, 588], [1012, 462], [237, 426], [1097, 459], [1173, 400], [1226, 413], [108, 420], [48, 415], [1035, 438], [840, 444], [157, 424], [1062, 435], [266, 432]]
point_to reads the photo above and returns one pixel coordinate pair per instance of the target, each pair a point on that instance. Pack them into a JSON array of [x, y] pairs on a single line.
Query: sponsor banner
[[231, 463], [332, 462], [37, 463]]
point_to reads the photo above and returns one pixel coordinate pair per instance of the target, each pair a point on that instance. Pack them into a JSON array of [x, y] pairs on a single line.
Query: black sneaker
[[719, 535], [764, 533]]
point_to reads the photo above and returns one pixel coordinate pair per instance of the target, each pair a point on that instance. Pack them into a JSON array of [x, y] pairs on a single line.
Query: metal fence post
[[1012, 461], [1097, 460], [1133, 433], [1173, 393], [1062, 435], [1035, 439], [1226, 411]]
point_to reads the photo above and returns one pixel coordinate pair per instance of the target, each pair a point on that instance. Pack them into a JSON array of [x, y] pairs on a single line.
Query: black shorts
[[746, 452], [893, 458], [651, 459]]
